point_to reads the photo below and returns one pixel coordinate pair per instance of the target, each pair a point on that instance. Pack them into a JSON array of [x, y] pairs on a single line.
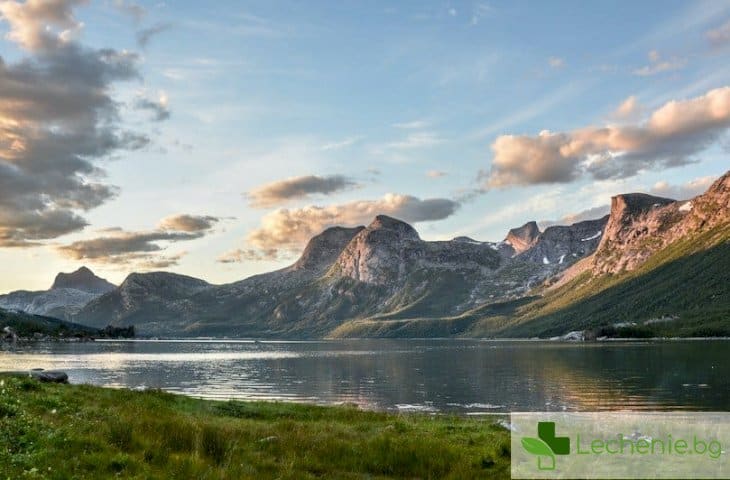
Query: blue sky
[[400, 98]]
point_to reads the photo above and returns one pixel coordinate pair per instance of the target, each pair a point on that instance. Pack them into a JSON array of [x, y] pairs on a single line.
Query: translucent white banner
[[620, 445]]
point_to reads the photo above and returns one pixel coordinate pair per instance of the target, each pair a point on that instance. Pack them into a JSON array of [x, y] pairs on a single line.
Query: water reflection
[[474, 377]]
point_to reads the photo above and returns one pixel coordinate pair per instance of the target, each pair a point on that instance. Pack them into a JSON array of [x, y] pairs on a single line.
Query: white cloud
[[347, 142], [682, 191], [412, 125], [286, 229], [629, 109], [669, 137], [40, 24], [417, 140], [556, 62], [658, 65]]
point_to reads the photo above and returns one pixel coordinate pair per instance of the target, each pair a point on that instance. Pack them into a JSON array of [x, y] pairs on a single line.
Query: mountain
[[652, 266], [68, 294], [661, 268], [82, 279], [158, 300], [382, 271], [524, 237], [25, 325]]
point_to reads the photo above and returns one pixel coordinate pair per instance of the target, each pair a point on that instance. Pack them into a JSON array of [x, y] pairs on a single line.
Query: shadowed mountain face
[[69, 293], [82, 279], [384, 270]]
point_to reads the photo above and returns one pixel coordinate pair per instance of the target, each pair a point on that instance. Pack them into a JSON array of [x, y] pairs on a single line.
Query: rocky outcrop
[[640, 225], [322, 250], [563, 245], [524, 237], [379, 253], [82, 279]]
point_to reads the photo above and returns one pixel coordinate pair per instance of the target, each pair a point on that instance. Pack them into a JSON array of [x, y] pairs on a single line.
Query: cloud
[[416, 140], [40, 24], [436, 174], [589, 214], [720, 35], [249, 255], [657, 65], [141, 248], [57, 121], [135, 11], [294, 188], [412, 125], [479, 11], [159, 108], [628, 109], [117, 246], [188, 223], [682, 191], [145, 35], [670, 137], [347, 142], [556, 62], [289, 230]]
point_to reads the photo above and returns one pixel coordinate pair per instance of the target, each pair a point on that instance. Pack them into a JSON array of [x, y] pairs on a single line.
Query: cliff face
[[565, 244], [640, 225], [524, 237], [324, 249], [378, 254]]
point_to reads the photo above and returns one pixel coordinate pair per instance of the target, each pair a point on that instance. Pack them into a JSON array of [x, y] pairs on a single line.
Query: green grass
[[76, 431]]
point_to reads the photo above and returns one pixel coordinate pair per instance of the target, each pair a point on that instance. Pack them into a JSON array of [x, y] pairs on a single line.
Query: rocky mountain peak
[[376, 253], [524, 237], [564, 244], [464, 239], [721, 186], [156, 281], [82, 279], [629, 205], [322, 250], [384, 222]]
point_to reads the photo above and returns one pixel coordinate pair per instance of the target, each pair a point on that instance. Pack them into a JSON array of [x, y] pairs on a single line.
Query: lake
[[471, 377]]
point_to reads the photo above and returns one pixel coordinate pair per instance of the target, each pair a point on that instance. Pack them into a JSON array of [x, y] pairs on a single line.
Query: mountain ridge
[[383, 270], [383, 279], [68, 294]]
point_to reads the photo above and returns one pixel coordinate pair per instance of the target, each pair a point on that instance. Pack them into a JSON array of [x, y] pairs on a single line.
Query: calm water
[[473, 377]]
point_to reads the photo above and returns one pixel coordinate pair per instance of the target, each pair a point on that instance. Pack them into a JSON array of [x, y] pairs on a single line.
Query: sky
[[214, 139]]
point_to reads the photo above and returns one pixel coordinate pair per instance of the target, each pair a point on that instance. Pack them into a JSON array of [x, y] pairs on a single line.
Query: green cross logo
[[546, 445]]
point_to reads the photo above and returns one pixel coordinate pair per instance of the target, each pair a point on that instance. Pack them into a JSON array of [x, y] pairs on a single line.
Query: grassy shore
[[77, 431]]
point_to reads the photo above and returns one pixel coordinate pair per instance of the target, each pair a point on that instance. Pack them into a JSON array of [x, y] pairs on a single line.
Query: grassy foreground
[[78, 431]]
